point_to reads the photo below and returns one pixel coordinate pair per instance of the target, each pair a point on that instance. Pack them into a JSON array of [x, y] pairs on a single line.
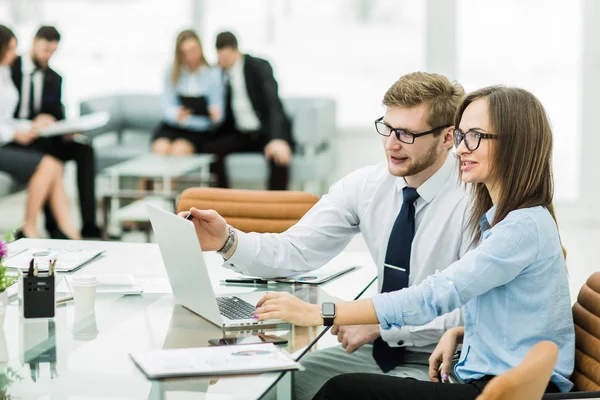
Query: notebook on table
[[217, 360], [324, 274], [67, 260]]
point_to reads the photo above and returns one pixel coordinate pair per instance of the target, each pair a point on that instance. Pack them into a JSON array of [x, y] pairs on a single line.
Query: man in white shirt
[[255, 120], [417, 134]]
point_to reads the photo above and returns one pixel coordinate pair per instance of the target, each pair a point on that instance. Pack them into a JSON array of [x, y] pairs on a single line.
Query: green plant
[[7, 377], [5, 279]]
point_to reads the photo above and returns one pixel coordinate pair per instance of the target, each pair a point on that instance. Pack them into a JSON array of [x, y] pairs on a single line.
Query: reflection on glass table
[[38, 346], [91, 352]]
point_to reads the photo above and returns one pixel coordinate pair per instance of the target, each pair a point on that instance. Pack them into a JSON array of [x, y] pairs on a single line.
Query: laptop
[[189, 278]]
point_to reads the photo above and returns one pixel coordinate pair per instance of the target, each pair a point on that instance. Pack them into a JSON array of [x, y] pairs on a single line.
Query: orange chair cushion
[[586, 315], [251, 210]]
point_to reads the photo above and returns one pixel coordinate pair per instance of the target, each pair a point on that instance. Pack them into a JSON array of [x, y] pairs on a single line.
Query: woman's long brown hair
[[521, 157], [178, 61]]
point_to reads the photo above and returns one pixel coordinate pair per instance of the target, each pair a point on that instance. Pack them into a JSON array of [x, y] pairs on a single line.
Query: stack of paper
[[66, 259], [221, 360], [81, 124]]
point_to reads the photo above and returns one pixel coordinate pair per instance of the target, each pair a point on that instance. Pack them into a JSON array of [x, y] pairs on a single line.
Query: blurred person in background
[[40, 100], [42, 173], [255, 120], [182, 132]]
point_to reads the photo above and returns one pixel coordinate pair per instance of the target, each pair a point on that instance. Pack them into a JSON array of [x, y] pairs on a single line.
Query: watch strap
[[229, 242]]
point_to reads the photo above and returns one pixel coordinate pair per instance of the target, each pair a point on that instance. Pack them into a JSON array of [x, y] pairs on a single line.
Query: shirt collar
[[434, 185], [485, 222], [239, 64], [28, 65]]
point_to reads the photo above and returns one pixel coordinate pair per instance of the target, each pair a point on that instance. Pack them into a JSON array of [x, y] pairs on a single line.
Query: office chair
[[586, 376], [251, 210], [586, 315], [528, 380]]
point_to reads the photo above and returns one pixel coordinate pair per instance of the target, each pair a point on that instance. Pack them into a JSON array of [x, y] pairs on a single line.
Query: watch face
[[328, 309]]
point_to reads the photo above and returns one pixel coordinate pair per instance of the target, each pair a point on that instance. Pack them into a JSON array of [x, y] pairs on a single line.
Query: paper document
[[219, 360], [115, 283], [66, 259], [81, 124]]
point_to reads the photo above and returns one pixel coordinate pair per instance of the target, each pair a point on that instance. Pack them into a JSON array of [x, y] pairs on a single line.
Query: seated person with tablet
[[192, 100], [197, 105]]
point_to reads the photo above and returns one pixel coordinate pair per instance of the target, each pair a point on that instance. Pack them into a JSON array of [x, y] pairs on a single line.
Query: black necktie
[[31, 96], [396, 271], [229, 117]]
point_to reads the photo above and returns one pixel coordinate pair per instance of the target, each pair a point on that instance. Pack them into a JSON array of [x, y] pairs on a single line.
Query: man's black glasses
[[471, 137], [402, 134]]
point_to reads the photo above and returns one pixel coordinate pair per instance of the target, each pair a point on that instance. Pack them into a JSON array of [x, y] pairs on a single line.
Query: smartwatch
[[328, 313]]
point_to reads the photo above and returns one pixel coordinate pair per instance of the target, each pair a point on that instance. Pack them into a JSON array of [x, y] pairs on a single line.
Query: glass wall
[[351, 50], [536, 47], [106, 46]]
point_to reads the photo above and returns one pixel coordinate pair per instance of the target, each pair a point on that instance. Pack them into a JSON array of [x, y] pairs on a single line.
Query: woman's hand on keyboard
[[281, 305]]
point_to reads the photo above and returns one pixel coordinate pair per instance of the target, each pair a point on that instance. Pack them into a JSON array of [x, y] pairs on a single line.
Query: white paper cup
[[84, 294]]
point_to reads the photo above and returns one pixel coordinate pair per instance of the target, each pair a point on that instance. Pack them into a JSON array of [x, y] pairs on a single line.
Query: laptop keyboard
[[235, 308]]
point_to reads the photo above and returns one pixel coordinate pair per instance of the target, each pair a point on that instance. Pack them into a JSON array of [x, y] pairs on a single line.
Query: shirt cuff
[[7, 134], [397, 336], [243, 252], [171, 114], [389, 312]]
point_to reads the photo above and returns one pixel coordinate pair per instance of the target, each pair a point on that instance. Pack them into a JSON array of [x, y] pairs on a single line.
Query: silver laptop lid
[[184, 261]]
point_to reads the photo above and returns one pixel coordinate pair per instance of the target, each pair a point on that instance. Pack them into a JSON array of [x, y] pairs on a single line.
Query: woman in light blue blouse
[[184, 129], [513, 286]]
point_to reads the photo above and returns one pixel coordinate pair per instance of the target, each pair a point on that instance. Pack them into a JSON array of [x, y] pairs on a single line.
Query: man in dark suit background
[[255, 120], [40, 100]]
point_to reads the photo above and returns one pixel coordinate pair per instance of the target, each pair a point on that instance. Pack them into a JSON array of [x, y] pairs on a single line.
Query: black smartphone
[[248, 339]]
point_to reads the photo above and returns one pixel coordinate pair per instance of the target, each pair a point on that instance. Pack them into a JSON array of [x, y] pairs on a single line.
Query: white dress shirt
[[28, 68], [368, 201], [9, 97], [243, 111]]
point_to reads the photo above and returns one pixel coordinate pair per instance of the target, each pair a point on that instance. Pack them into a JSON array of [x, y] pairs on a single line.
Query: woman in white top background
[[43, 174]]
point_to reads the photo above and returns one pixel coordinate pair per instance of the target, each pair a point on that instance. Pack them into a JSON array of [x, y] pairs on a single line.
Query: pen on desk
[[35, 269], [30, 270], [249, 280], [64, 299]]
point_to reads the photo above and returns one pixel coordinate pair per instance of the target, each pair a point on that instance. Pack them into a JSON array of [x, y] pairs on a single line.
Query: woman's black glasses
[[471, 137]]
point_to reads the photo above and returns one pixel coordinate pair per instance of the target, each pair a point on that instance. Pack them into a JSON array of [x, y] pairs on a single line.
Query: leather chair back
[[251, 210], [586, 315]]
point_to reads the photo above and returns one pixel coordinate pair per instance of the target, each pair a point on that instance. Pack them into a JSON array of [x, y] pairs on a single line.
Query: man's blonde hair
[[440, 94]]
